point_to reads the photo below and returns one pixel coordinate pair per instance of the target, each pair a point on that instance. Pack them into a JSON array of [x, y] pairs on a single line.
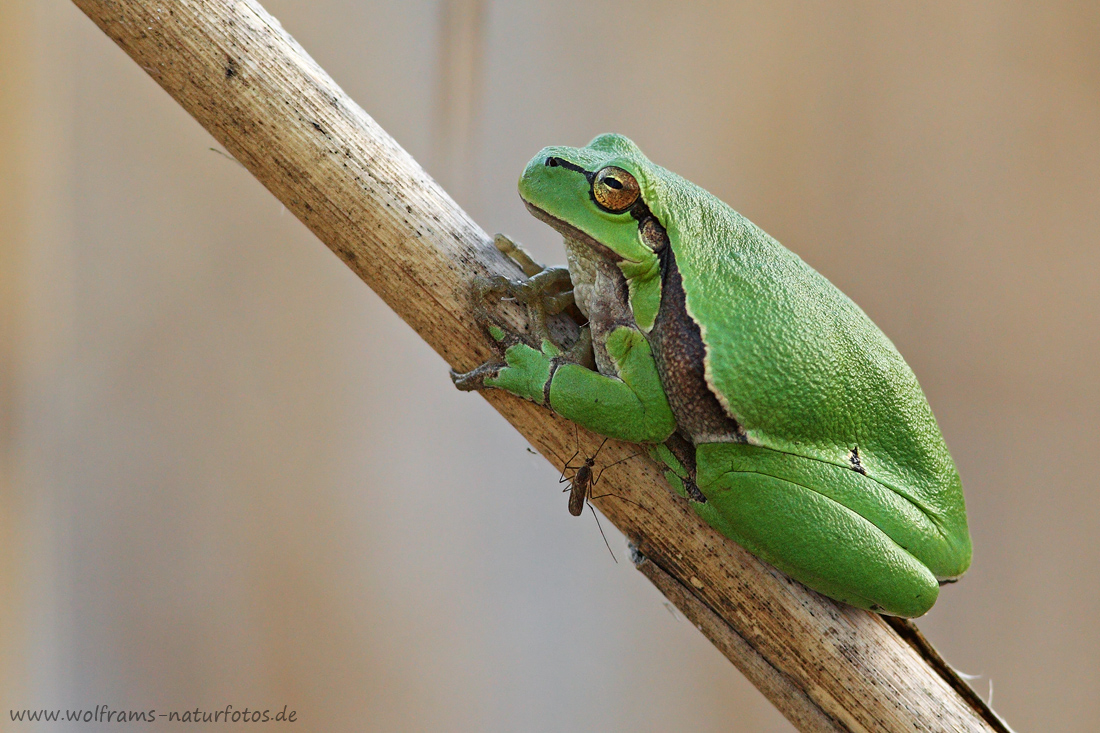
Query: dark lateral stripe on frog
[[679, 352]]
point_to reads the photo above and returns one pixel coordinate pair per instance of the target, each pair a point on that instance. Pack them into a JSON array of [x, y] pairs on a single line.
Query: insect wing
[[582, 480]]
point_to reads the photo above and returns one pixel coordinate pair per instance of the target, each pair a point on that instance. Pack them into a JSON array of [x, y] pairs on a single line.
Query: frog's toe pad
[[474, 379]]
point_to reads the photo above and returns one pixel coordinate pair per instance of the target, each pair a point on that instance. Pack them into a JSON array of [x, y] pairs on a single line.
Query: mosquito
[[583, 480]]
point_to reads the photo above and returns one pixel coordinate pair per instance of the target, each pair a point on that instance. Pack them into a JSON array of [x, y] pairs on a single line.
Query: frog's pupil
[[613, 183]]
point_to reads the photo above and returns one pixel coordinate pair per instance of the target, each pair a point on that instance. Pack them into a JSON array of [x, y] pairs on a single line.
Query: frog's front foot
[[518, 254], [545, 294], [474, 379], [526, 370], [529, 356]]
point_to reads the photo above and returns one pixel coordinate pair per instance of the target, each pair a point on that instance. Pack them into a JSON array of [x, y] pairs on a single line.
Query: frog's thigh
[[818, 542]]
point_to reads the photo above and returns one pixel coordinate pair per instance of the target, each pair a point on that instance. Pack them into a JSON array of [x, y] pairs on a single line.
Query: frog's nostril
[[552, 162]]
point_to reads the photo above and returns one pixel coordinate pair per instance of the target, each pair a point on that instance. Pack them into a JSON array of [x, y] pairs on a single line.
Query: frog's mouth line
[[568, 230]]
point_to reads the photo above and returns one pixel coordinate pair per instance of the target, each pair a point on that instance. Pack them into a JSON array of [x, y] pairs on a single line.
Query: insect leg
[[623, 460], [600, 526], [568, 464]]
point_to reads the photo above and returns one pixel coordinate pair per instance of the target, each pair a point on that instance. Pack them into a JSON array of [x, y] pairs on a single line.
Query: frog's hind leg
[[816, 540]]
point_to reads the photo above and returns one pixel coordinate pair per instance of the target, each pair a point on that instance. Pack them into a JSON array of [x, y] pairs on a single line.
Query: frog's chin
[[571, 232]]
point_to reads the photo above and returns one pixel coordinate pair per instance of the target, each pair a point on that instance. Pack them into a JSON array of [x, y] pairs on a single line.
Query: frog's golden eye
[[615, 190]]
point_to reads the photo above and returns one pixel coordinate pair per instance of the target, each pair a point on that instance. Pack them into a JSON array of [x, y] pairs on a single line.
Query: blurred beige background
[[230, 476]]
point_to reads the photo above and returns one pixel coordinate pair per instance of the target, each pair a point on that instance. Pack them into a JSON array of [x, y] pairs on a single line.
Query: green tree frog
[[785, 417]]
